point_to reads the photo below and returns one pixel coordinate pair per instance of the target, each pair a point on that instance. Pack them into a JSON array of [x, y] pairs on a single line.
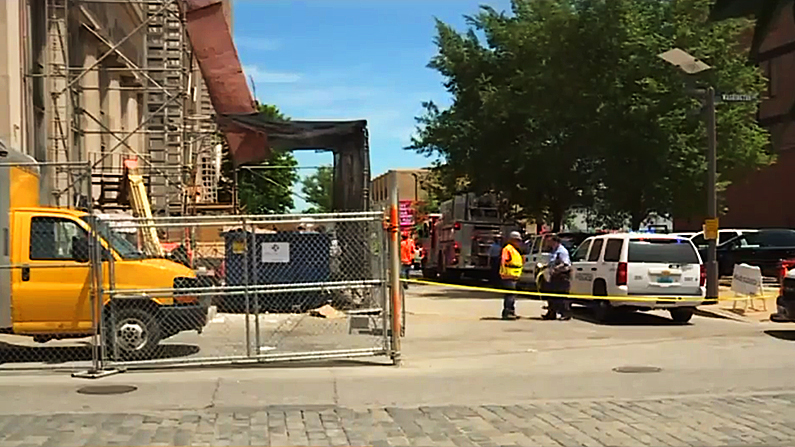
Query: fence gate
[[236, 289]]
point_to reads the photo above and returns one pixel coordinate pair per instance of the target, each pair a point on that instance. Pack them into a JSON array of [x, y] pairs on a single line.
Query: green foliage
[[261, 191], [318, 189], [565, 103]]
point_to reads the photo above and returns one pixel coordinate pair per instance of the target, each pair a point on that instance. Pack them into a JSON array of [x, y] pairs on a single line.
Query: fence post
[[111, 296], [253, 267], [95, 259], [394, 267], [246, 280]]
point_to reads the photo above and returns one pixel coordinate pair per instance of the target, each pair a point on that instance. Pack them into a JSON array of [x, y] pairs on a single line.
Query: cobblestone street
[[731, 420]]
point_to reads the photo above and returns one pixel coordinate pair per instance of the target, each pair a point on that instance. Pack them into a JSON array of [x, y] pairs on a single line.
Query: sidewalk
[[748, 310]]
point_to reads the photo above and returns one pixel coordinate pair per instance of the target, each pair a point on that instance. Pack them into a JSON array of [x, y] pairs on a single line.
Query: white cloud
[[260, 76], [257, 43]]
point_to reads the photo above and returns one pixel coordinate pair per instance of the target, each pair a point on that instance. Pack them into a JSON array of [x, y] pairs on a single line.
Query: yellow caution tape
[[632, 298]]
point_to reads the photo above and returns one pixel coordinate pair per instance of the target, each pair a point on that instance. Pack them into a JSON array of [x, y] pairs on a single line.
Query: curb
[[714, 312]]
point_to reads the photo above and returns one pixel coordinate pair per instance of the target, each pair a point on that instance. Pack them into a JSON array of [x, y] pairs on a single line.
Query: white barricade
[[747, 281]]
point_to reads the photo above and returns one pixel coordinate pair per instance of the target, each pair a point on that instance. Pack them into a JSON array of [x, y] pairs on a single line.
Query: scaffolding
[[122, 83]]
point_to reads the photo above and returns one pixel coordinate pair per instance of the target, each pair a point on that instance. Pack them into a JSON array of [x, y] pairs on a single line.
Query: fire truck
[[456, 242]]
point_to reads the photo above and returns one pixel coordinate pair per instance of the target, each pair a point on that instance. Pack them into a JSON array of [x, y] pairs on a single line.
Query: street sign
[[406, 213], [711, 229], [736, 97]]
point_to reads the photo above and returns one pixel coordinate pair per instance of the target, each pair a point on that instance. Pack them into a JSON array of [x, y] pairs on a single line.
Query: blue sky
[[349, 59]]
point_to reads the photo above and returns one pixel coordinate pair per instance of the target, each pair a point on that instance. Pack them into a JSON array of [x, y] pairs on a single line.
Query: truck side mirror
[[80, 249]]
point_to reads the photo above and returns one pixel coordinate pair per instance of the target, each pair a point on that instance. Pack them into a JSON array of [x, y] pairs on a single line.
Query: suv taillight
[[703, 278], [621, 274]]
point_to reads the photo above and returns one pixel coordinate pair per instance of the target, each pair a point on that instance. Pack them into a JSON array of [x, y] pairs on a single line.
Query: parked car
[[723, 236], [763, 248], [686, 235], [538, 252], [627, 264]]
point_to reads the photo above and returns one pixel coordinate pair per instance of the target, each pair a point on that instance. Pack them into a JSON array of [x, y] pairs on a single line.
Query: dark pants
[[405, 269], [557, 305], [509, 302], [495, 271]]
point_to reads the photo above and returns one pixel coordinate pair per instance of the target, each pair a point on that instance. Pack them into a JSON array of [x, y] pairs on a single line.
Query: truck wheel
[[135, 332], [681, 314]]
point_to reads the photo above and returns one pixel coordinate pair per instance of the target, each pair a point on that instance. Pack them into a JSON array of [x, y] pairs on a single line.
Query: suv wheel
[[603, 310], [682, 314]]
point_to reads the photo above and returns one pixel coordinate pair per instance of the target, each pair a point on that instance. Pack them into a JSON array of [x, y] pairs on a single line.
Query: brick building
[[758, 201]]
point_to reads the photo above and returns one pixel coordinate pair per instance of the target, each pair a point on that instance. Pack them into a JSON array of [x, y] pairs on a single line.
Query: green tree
[[262, 191], [652, 148], [318, 189], [509, 128], [565, 103]]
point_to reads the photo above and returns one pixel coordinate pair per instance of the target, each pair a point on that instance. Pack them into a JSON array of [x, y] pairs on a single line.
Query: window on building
[[772, 77]]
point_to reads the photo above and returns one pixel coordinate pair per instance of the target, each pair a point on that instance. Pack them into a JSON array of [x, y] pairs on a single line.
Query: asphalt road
[[468, 379]]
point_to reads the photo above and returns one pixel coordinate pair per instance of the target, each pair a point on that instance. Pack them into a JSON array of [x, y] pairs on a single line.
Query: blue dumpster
[[277, 258]]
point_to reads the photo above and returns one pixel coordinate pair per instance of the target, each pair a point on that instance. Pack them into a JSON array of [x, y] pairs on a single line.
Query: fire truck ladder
[[142, 209]]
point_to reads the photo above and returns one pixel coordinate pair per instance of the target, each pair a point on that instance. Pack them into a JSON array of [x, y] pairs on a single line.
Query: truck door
[[51, 290]]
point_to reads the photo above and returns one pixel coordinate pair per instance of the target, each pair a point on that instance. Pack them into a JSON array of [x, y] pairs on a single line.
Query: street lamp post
[[691, 66], [712, 196]]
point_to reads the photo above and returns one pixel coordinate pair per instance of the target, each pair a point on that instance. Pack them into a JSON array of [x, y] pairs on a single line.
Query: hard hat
[[515, 235]]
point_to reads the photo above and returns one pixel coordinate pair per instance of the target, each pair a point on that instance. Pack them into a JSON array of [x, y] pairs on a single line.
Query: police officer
[[560, 281], [510, 271]]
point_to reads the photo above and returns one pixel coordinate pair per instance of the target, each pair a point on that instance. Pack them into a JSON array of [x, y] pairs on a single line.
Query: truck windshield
[[125, 248]]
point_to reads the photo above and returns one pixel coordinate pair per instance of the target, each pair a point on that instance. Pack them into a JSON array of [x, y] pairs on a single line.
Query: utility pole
[[396, 288]]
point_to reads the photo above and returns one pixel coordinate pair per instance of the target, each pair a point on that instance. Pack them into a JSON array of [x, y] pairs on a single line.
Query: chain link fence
[[82, 291], [229, 289]]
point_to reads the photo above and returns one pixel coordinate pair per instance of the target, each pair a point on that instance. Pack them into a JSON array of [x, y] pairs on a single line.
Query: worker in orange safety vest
[[510, 271], [407, 249]]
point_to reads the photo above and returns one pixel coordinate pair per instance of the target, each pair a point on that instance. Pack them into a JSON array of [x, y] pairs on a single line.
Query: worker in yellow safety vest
[[510, 271]]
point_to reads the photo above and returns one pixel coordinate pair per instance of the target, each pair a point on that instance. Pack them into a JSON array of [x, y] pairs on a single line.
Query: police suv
[[616, 265]]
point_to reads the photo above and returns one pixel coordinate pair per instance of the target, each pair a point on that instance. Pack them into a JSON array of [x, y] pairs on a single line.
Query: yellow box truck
[[46, 279]]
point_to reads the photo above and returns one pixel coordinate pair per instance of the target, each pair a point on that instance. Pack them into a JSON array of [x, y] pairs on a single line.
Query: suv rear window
[[663, 251], [613, 250]]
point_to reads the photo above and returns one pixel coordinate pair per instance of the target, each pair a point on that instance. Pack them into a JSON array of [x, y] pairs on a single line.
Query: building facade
[[409, 187], [410, 193], [103, 81]]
